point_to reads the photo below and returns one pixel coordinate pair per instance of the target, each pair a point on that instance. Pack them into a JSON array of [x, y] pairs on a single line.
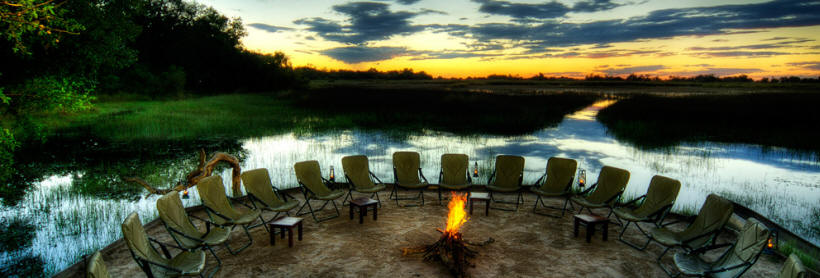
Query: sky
[[573, 38]]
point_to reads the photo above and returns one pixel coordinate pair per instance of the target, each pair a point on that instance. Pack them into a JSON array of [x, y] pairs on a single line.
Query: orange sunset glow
[[525, 38]]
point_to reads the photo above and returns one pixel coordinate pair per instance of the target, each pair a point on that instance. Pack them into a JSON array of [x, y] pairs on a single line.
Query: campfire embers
[[451, 250]]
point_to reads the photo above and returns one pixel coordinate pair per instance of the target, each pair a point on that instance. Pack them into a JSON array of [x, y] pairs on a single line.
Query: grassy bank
[[786, 120]]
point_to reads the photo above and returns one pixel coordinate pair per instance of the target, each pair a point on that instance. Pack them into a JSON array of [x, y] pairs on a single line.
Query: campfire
[[451, 250]]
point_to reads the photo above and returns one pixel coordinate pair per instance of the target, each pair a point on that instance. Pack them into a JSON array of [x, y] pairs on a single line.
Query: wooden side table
[[590, 221], [285, 223], [363, 203], [480, 196]]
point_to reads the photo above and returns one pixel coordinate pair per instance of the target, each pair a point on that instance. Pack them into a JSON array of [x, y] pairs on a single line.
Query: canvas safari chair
[[186, 263], [407, 175], [710, 220], [357, 173], [793, 268], [657, 202], [220, 211], [313, 186], [264, 196], [454, 174], [557, 183], [506, 178], [96, 267], [740, 256], [183, 231], [608, 189]]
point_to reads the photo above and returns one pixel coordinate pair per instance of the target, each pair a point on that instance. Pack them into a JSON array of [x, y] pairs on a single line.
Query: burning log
[[203, 170], [451, 250]]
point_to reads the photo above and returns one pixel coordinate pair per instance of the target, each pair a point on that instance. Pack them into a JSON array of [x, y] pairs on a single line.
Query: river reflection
[[776, 184]]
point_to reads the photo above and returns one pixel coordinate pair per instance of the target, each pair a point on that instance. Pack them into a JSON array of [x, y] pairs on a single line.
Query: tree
[[22, 18]]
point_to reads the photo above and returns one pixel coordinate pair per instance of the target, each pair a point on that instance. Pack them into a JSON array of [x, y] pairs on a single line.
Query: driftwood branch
[[204, 169]]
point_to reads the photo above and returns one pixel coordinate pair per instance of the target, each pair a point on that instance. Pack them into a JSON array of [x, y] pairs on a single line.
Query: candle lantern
[[582, 178], [771, 244], [475, 170], [185, 193], [332, 174]]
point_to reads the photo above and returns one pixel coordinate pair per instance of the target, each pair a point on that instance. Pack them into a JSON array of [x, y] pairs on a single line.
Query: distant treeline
[[702, 78], [311, 73]]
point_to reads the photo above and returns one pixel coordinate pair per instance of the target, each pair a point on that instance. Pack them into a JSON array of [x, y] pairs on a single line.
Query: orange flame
[[457, 216]]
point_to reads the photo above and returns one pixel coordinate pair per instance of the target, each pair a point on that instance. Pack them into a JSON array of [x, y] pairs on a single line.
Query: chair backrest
[[712, 216], [137, 240], [560, 173], [406, 166], [792, 268], [662, 192], [212, 192], [454, 168], [611, 182], [96, 267], [174, 216], [509, 170], [257, 183], [309, 174], [747, 248], [357, 169]]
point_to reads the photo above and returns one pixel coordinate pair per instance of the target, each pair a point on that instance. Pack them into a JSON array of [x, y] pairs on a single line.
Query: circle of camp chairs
[[557, 182]]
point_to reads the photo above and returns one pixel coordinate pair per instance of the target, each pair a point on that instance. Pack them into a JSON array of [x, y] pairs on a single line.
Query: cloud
[[806, 65], [594, 6], [358, 54], [713, 71], [430, 11], [698, 21], [523, 12], [520, 10], [781, 44], [403, 2], [630, 70], [269, 28], [368, 21], [741, 54]]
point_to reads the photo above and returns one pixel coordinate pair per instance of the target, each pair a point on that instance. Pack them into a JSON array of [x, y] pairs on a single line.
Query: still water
[[782, 186]]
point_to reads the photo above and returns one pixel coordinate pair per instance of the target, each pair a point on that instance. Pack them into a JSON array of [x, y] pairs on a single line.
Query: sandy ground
[[526, 245]]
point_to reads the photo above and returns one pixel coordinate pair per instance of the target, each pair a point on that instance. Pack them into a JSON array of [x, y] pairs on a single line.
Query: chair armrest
[[209, 210], [710, 247], [538, 182], [469, 179], [162, 246], [614, 198], [282, 195], [441, 173], [186, 236], [490, 179], [422, 176], [160, 265], [709, 234], [374, 176], [634, 201], [589, 189]]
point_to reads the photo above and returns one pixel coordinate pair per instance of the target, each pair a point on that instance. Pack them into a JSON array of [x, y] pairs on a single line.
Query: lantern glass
[[185, 193], [332, 173], [582, 178], [475, 170]]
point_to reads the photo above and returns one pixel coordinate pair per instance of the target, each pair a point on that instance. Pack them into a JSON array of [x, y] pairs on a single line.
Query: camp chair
[[453, 174], [658, 200], [220, 211], [608, 189], [557, 183], [183, 231], [407, 174], [357, 173], [264, 196], [186, 263], [313, 187], [704, 229], [792, 268], [507, 177], [740, 256], [96, 267]]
